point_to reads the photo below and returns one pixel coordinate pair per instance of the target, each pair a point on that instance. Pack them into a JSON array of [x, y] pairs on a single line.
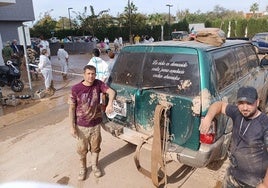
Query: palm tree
[[254, 8], [129, 10], [90, 22], [157, 19]]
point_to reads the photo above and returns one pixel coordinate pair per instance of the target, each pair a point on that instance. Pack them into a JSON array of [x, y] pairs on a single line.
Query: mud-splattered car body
[[186, 76]]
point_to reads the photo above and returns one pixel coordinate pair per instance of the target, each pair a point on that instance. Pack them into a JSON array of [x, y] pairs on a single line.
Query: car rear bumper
[[200, 158], [206, 153]]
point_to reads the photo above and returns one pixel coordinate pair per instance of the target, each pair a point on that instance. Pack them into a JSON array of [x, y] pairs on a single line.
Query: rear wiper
[[158, 87], [184, 85], [155, 87]]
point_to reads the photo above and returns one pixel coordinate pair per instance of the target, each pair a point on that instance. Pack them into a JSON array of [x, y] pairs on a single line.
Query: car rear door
[[145, 76]]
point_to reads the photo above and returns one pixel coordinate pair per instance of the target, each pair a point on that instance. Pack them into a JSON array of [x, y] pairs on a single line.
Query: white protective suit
[[46, 69], [63, 59], [101, 68]]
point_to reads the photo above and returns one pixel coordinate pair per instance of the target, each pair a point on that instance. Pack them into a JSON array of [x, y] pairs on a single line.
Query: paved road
[[36, 146]]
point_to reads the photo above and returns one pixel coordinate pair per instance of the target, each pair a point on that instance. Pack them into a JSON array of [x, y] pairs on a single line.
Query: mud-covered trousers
[[89, 139]]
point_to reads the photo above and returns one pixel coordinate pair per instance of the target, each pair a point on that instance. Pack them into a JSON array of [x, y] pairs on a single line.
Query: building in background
[[12, 15]]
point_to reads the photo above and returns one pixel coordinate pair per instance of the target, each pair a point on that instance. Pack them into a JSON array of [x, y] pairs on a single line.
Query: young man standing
[[249, 144], [86, 117]]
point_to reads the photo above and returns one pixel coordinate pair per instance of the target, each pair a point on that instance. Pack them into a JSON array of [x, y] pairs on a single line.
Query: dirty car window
[[127, 69], [177, 73], [179, 70]]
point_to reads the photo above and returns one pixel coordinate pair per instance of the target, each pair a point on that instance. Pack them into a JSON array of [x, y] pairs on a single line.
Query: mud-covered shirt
[[249, 156], [87, 103]]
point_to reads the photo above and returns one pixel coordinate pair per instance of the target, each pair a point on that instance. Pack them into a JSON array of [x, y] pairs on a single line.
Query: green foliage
[[181, 26], [218, 23], [257, 26], [131, 22], [233, 28], [46, 26], [241, 27], [208, 23]]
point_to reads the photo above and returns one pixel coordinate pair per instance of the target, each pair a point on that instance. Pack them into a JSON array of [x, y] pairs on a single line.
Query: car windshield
[[175, 73], [260, 36]]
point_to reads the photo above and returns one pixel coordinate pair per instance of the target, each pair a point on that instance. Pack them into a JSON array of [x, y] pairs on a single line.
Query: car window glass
[[242, 59], [127, 68], [252, 57], [247, 59], [179, 71], [261, 37], [170, 72], [226, 67]]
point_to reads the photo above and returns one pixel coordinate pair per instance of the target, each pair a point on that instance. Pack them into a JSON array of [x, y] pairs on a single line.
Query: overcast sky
[[60, 7]]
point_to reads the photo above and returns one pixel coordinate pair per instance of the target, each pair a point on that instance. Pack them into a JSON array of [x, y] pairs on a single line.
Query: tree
[[130, 9], [130, 21], [157, 19], [63, 23], [46, 26], [89, 23], [254, 8]]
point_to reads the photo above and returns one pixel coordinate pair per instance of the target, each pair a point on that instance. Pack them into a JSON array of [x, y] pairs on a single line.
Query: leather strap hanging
[[157, 162]]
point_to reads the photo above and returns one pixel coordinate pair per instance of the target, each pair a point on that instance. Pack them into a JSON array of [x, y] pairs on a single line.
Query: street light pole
[[130, 22], [62, 20], [169, 5], [70, 17]]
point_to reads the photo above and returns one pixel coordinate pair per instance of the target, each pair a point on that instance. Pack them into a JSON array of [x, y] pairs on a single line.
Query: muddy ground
[[36, 145]]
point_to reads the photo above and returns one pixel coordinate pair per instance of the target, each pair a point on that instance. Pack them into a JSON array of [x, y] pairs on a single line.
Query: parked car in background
[[54, 40], [179, 35], [260, 41], [86, 38], [78, 39]]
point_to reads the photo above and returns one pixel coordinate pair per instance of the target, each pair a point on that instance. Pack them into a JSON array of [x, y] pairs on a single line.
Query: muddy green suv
[[183, 78]]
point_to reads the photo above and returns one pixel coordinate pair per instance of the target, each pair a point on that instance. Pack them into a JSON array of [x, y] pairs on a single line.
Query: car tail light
[[209, 138]]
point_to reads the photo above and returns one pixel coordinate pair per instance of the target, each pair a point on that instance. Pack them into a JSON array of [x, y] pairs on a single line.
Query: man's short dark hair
[[90, 67], [62, 46], [96, 52]]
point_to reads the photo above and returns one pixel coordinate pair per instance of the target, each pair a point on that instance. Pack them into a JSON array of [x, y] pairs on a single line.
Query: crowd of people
[[39, 60], [143, 39]]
